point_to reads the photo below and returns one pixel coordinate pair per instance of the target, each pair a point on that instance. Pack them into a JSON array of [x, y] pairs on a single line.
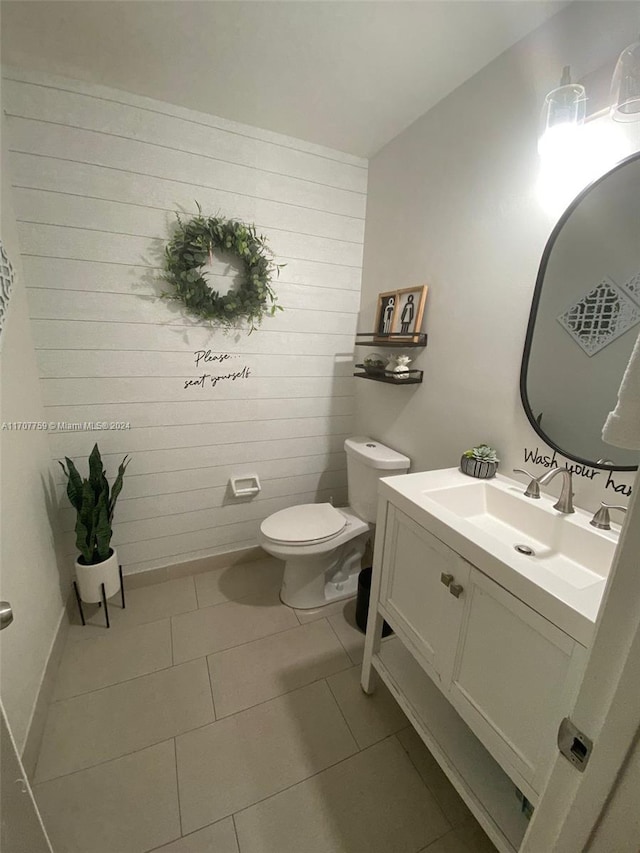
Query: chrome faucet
[[533, 489], [601, 519], [565, 501]]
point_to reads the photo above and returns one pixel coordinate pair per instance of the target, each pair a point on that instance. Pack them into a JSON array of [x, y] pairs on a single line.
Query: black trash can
[[362, 602]]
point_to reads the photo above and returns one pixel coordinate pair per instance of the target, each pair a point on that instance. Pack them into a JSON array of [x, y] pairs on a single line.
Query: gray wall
[[453, 203]]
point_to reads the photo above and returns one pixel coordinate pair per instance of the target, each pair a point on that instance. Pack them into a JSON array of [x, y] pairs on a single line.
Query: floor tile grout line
[[213, 698], [119, 631], [188, 835], [235, 829], [106, 761], [195, 609], [436, 799], [346, 650], [175, 759], [195, 587], [112, 684], [230, 601], [280, 695], [231, 814], [433, 843], [307, 778], [140, 748], [178, 734], [335, 699], [244, 643], [123, 681], [206, 656]]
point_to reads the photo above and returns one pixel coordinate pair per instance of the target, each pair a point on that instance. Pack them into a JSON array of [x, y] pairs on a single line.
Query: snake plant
[[94, 505]]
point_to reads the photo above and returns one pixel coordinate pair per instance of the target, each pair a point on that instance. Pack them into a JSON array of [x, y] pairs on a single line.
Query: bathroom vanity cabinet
[[484, 678]]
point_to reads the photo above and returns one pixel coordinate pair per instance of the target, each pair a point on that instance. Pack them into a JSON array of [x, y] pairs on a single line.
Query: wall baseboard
[[35, 731], [194, 567]]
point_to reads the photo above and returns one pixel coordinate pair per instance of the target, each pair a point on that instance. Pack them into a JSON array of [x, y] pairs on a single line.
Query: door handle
[[446, 578], [6, 614], [456, 589]]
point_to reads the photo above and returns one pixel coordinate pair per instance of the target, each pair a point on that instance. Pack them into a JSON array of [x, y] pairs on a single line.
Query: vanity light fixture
[[563, 112], [625, 85]]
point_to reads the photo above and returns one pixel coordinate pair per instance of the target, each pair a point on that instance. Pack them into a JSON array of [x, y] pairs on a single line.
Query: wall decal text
[[620, 488], [210, 380], [535, 457], [206, 355]]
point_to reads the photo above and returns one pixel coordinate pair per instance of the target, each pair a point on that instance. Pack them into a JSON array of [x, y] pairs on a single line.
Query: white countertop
[[573, 604]]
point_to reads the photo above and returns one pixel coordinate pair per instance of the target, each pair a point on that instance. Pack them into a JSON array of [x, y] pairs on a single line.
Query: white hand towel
[[622, 427]]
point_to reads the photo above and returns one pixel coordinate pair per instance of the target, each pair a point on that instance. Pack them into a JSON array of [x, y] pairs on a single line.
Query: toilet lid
[[305, 523]]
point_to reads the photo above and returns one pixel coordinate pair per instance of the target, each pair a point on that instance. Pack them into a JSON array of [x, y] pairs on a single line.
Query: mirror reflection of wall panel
[[585, 319]]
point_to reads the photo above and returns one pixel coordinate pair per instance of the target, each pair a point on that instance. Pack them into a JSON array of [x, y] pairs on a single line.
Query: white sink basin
[[566, 562], [561, 544]]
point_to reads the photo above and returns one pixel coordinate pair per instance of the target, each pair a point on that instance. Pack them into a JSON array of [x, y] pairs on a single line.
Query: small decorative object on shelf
[[401, 370], [481, 462], [381, 368], [413, 377], [374, 363]]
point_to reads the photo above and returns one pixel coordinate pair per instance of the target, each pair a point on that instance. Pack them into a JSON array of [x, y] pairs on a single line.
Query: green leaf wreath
[[191, 247]]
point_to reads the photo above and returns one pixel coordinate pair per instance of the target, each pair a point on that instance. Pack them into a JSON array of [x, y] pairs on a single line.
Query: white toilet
[[322, 545]]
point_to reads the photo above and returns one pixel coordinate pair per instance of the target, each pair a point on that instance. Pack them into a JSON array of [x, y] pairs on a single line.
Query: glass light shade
[[564, 109], [625, 85]]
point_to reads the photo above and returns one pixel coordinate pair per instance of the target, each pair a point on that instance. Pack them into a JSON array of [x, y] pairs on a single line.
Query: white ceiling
[[349, 75]]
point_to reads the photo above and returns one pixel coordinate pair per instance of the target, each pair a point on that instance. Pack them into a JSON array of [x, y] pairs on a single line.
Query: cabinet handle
[[446, 578], [456, 589]]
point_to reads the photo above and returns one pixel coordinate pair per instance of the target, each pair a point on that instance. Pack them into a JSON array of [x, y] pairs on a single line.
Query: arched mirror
[[585, 319]]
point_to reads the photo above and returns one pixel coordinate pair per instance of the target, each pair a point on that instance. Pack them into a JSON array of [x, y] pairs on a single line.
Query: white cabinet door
[[419, 572], [513, 680]]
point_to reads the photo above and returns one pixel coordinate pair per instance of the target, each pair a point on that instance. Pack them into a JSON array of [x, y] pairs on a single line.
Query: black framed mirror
[[584, 320]]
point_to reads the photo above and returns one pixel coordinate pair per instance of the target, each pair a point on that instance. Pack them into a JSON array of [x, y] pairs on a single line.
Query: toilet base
[[311, 582]]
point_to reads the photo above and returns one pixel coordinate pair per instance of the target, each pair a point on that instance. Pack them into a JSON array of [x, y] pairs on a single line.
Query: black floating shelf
[[411, 377], [393, 339]]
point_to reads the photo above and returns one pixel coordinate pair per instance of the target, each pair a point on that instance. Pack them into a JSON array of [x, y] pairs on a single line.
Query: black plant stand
[[104, 599]]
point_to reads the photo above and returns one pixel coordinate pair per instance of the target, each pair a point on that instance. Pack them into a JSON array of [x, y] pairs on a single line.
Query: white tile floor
[[213, 719]]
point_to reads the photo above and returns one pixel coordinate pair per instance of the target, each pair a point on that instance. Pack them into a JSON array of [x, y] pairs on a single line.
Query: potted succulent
[[94, 503], [481, 462], [374, 364]]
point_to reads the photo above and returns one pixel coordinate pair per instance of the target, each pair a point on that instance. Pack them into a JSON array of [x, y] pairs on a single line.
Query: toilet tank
[[367, 461]]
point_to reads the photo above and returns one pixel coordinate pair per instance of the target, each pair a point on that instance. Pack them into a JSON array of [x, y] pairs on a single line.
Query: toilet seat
[[304, 525]]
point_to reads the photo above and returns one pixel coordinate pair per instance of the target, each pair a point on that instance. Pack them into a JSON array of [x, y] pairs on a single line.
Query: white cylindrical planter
[[90, 577]]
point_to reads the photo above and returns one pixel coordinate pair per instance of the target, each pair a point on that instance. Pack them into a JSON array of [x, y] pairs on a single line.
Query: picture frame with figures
[[409, 311], [385, 315], [399, 314]]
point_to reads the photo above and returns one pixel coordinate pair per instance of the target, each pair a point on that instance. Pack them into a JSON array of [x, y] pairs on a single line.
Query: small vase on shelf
[[401, 370]]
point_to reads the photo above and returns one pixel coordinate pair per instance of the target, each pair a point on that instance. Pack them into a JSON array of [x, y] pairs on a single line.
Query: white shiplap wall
[[98, 175]]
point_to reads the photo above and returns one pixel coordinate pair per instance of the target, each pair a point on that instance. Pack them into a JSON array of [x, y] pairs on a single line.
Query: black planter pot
[[478, 468]]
